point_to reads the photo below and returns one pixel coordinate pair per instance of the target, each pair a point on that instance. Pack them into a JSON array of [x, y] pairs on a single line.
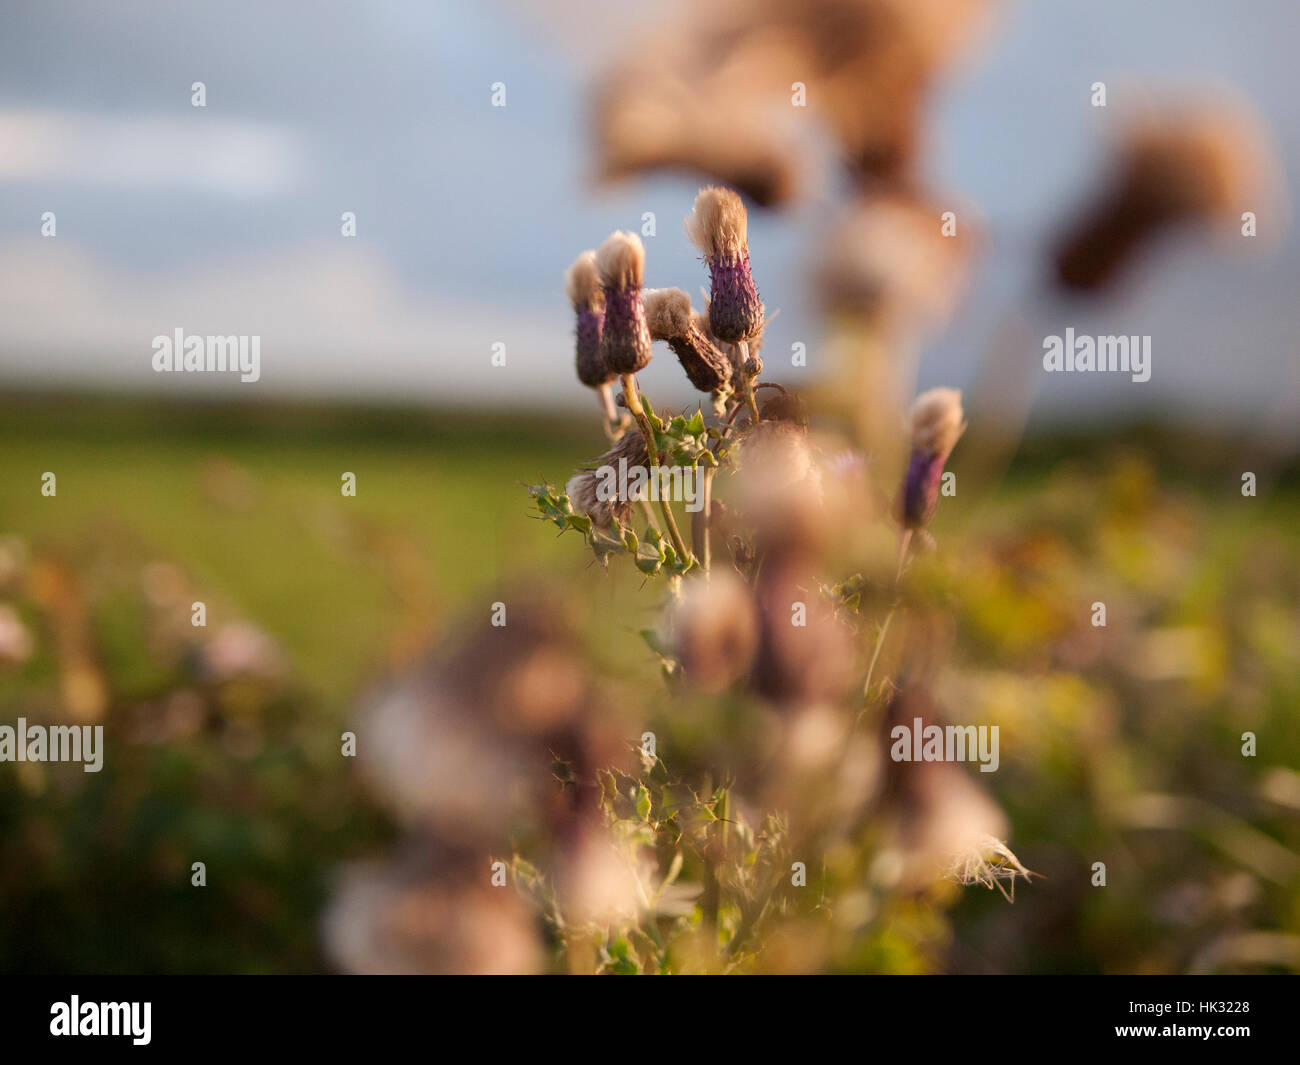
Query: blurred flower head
[[937, 424]]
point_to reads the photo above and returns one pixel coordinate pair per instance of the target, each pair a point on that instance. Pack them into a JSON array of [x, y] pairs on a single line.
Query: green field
[[243, 509]]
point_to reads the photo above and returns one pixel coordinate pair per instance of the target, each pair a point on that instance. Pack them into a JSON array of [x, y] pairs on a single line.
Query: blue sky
[[226, 219]]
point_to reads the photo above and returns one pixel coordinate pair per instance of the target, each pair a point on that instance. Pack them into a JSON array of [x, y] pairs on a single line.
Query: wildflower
[[625, 339], [713, 632], [582, 285], [743, 360], [937, 424], [502, 706], [948, 825], [710, 90], [424, 912], [778, 485], [1172, 167], [887, 257], [668, 312], [804, 654], [649, 118], [599, 881], [583, 486], [718, 226]]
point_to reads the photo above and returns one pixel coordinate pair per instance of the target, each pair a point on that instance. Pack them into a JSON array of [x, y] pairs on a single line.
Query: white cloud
[[201, 151], [332, 317]]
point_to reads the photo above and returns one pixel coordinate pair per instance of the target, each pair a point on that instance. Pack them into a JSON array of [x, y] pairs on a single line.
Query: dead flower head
[[585, 487], [668, 312]]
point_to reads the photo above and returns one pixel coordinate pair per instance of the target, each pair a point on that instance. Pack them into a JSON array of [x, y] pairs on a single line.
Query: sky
[[226, 219]]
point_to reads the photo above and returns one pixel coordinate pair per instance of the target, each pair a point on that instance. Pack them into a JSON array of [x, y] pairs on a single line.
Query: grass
[[245, 502]]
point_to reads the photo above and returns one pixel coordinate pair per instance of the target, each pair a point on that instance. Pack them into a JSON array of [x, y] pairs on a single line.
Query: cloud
[[332, 317], [232, 157]]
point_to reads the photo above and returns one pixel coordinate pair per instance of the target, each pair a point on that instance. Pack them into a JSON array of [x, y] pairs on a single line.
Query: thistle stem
[[702, 520], [632, 397], [875, 654], [743, 347], [612, 419], [904, 542]]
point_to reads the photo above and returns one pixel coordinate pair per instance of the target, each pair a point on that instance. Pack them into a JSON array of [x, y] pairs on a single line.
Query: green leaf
[[651, 638], [643, 803]]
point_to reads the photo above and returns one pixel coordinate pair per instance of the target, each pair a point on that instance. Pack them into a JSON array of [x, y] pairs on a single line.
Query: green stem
[[904, 542], [632, 397], [880, 643], [701, 521]]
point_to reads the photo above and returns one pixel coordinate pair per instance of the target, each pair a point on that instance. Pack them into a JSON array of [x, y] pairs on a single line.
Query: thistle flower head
[[718, 224], [937, 424], [625, 339], [418, 913], [670, 318], [719, 227], [886, 257], [713, 631], [582, 285], [937, 421], [585, 487], [777, 487], [815, 660], [948, 825], [1175, 165]]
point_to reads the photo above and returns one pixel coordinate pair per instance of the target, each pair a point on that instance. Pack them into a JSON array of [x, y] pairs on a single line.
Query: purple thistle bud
[[718, 226], [625, 337], [582, 285], [920, 493], [937, 423]]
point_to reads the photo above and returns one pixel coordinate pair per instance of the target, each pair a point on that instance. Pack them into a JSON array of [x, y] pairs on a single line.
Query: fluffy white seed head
[[620, 262], [667, 312], [937, 421], [582, 283], [718, 224]]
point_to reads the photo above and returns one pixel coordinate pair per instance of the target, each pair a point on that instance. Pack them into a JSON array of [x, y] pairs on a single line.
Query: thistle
[[583, 486], [1172, 168], [668, 312], [718, 226], [937, 424], [625, 338], [582, 285], [713, 632], [625, 342]]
